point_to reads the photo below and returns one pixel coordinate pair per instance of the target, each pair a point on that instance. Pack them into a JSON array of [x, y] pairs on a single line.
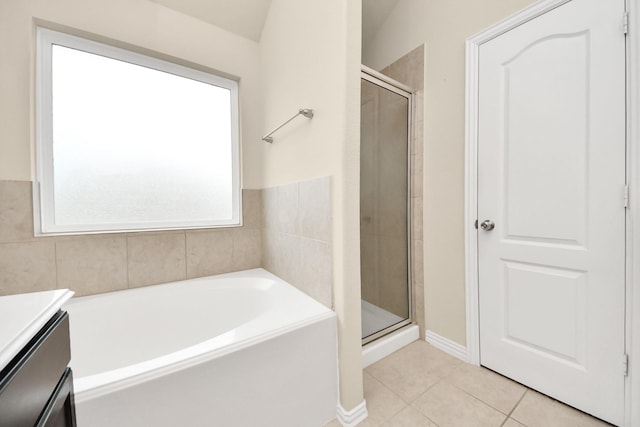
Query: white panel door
[[551, 163]]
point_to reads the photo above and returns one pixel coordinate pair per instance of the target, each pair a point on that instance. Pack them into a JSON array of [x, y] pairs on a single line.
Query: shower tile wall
[[296, 239], [91, 264], [409, 70]]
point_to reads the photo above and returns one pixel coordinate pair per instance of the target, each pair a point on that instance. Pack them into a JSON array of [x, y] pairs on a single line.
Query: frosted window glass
[[136, 145]]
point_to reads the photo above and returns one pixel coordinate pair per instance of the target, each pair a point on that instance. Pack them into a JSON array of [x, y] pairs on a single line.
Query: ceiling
[[242, 17], [246, 17]]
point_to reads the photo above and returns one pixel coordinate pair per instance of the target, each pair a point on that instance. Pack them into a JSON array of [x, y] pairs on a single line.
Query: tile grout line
[[395, 394], [438, 381], [514, 408], [482, 401], [425, 392], [486, 403], [473, 397]]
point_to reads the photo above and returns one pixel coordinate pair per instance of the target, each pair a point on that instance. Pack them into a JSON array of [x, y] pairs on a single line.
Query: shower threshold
[[384, 346], [375, 319]]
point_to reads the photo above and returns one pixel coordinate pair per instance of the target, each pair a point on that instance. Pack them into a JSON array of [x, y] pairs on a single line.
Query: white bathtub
[[240, 349]]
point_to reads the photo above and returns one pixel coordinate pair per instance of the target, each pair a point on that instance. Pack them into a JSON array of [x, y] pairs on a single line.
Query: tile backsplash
[[286, 230], [296, 238], [90, 264]]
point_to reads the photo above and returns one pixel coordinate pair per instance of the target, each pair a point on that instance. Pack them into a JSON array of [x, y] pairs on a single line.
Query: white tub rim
[[103, 383]]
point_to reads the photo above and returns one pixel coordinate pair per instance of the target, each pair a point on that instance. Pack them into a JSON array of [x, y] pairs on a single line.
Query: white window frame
[[43, 194]]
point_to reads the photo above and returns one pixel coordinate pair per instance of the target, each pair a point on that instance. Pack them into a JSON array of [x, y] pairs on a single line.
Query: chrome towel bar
[[307, 112]]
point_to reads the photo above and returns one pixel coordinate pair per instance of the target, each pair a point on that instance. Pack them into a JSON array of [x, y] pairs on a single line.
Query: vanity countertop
[[23, 315]]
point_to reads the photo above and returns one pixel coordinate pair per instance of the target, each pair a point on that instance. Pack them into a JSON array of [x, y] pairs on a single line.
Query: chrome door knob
[[487, 225]]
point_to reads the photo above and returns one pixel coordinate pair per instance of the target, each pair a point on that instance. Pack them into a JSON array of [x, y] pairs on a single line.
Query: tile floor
[[420, 385]]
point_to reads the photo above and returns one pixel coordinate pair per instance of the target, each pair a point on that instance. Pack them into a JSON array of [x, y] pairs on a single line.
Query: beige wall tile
[[247, 248], [16, 214], [252, 209], [285, 256], [270, 208], [408, 69], [156, 258], [209, 252], [27, 267], [315, 209], [418, 307], [296, 235], [417, 251], [268, 250], [419, 106], [287, 209], [399, 70], [416, 68], [90, 265], [316, 278], [280, 208], [95, 264], [417, 148], [416, 177], [416, 218]]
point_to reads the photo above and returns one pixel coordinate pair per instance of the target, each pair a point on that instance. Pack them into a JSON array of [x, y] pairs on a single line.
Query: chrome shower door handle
[[487, 225]]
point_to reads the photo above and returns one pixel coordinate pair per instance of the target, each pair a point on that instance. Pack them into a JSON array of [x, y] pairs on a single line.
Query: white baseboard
[[382, 347], [353, 417], [446, 345]]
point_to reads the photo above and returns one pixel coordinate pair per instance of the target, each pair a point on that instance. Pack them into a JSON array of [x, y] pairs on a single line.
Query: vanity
[[36, 383]]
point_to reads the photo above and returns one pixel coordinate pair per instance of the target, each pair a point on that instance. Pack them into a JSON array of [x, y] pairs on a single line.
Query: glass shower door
[[384, 207]]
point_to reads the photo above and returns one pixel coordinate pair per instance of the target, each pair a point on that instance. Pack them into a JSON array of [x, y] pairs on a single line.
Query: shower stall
[[385, 130]]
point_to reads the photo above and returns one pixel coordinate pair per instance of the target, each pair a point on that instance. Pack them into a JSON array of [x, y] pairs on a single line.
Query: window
[[130, 142]]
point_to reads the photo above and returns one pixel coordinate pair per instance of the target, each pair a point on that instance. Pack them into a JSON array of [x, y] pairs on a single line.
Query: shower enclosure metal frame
[[405, 91]]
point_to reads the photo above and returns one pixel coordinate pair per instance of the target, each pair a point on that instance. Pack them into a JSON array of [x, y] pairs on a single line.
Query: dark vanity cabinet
[[36, 387]]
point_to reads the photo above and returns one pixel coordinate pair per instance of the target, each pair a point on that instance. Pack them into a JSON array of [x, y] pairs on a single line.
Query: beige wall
[[310, 58], [302, 67], [140, 23], [443, 26]]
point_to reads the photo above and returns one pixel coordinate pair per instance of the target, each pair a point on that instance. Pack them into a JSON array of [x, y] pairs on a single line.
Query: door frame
[[632, 291]]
